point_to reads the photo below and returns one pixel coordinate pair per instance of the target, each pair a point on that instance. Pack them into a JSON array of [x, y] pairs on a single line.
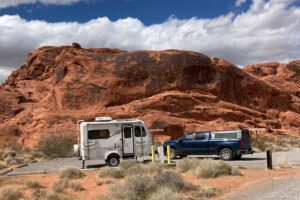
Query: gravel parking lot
[[257, 160]]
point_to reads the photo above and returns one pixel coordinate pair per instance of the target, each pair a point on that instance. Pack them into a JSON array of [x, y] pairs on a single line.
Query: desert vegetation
[[278, 143], [152, 181]]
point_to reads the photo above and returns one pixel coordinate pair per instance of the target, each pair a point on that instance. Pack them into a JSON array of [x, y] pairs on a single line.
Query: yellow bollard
[[153, 153], [169, 154]]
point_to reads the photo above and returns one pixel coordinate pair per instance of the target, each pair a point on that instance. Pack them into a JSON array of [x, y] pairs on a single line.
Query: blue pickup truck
[[227, 144]]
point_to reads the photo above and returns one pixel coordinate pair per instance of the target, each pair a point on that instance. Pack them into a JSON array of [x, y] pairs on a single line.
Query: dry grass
[[109, 172], [280, 143], [101, 181], [34, 185], [10, 193], [187, 164], [61, 185], [71, 173], [153, 168], [134, 188], [282, 163], [171, 180], [57, 196], [38, 194], [208, 168], [204, 192], [77, 187], [165, 193]]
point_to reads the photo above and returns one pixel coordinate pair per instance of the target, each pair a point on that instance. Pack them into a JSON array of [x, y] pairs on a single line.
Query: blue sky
[[241, 31], [148, 11]]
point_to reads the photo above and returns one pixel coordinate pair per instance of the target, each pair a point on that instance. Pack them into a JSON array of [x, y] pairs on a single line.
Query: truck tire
[[226, 154], [238, 157], [173, 154], [113, 160]]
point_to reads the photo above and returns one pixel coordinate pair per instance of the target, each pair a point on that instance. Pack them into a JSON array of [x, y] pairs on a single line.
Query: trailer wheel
[[226, 154], [113, 160]]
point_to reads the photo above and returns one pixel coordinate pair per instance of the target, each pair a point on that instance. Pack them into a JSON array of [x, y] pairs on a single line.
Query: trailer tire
[[113, 160], [226, 154]]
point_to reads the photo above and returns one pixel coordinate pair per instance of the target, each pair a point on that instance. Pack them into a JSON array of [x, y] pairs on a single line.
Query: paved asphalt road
[[280, 189], [257, 160]]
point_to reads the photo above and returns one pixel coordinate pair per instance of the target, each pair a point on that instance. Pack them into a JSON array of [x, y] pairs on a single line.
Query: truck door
[[127, 140], [201, 143]]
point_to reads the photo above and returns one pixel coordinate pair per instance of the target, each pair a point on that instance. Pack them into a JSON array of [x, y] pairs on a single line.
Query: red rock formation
[[171, 90]]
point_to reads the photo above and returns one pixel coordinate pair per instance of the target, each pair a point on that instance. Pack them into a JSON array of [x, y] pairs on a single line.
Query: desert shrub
[[14, 160], [35, 154], [60, 185], [170, 179], [56, 146], [38, 194], [10, 193], [164, 193], [57, 196], [152, 168], [34, 185], [134, 170], [2, 165], [205, 192], [187, 164], [209, 168], [110, 172], [127, 164], [282, 163], [72, 173], [134, 188], [101, 181], [9, 154], [76, 186]]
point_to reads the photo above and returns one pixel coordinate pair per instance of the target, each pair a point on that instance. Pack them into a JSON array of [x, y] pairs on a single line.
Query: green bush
[[10, 193], [71, 173], [56, 146]]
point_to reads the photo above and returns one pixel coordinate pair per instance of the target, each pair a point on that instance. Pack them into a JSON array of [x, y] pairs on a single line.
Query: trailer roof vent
[[103, 119]]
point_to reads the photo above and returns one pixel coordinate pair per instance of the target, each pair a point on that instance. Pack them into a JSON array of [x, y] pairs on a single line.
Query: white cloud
[[238, 3], [10, 3], [4, 73], [268, 31]]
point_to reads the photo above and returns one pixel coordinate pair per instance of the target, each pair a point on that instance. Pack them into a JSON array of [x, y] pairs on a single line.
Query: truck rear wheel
[[226, 154], [113, 160]]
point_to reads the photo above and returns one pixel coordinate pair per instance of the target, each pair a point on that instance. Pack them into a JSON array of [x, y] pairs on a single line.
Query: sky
[[240, 31]]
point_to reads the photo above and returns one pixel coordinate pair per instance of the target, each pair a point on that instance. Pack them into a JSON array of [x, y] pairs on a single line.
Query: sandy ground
[[229, 184]]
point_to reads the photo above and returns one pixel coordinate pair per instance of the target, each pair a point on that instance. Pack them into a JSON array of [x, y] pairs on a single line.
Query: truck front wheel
[[173, 154], [226, 154]]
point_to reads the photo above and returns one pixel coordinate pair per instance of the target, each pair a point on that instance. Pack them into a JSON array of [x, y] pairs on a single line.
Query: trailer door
[[128, 142]]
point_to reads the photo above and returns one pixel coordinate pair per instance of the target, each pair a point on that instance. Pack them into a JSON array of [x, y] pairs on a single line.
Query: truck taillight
[[242, 143]]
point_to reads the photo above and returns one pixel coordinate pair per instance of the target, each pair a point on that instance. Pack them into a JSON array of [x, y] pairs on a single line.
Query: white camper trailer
[[111, 140]]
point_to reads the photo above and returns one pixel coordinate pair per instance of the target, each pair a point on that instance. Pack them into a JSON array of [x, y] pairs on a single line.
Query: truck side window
[[98, 134], [188, 137], [200, 136], [137, 132]]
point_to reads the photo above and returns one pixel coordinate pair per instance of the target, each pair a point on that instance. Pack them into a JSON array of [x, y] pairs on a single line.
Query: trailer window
[[98, 134], [137, 131], [127, 132]]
